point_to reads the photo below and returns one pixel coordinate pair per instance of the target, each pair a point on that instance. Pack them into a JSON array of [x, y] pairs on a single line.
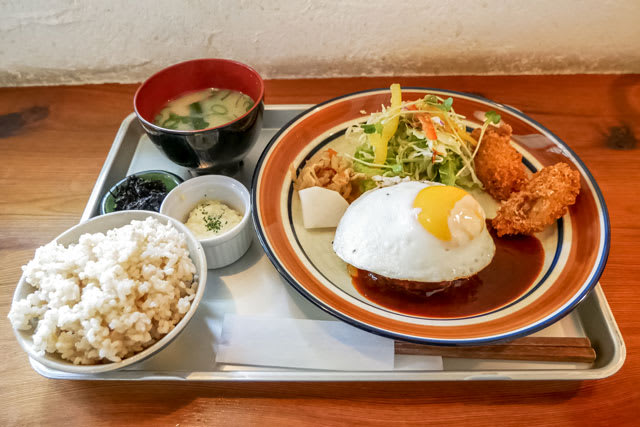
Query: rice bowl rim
[[99, 225]]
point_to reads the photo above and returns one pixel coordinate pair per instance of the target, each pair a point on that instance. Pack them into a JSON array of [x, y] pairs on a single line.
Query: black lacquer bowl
[[212, 150]]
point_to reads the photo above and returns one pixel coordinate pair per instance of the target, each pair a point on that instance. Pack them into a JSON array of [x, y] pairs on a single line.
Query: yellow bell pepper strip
[[380, 141]]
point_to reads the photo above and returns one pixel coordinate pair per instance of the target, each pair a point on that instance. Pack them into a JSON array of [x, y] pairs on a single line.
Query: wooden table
[[54, 140]]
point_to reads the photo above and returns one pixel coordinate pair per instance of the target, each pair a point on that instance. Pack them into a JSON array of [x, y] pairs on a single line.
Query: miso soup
[[203, 109]]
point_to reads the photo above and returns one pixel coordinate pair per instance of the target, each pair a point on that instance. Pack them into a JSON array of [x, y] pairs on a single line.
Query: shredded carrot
[[427, 126]]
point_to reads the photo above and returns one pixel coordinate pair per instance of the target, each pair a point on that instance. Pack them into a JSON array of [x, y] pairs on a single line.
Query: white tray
[[253, 286]]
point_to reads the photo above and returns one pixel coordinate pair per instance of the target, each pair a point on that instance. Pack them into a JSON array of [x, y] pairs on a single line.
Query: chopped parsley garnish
[[213, 223]]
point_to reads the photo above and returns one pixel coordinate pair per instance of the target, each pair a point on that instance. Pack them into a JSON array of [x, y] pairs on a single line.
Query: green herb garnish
[[446, 105], [213, 223], [492, 117], [374, 128], [431, 99]]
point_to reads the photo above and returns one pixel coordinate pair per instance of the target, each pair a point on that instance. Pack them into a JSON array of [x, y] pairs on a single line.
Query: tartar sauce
[[211, 218]]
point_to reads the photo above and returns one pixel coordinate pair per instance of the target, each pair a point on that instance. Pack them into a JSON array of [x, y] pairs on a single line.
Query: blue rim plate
[[576, 247]]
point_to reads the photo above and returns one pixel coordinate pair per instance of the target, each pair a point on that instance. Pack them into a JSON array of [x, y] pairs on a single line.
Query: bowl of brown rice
[[108, 292]]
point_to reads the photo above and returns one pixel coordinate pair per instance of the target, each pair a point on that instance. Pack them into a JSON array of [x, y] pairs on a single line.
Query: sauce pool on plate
[[516, 264]]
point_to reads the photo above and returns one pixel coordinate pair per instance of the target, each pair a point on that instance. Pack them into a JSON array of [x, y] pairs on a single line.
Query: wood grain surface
[[54, 140]]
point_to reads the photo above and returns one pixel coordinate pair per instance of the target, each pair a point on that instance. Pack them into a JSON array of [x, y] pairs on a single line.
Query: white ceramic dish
[[102, 224], [227, 247]]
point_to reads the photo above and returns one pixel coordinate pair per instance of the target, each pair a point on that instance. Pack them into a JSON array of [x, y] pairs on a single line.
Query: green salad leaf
[[412, 151], [374, 128], [448, 169]]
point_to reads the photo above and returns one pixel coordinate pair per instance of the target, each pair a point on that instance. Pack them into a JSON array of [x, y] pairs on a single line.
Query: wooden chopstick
[[550, 341], [551, 349]]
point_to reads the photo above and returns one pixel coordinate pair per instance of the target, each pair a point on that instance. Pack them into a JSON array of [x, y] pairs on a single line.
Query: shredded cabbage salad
[[423, 139]]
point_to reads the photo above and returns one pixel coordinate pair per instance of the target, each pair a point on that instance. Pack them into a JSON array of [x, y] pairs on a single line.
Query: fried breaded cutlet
[[542, 200], [497, 164]]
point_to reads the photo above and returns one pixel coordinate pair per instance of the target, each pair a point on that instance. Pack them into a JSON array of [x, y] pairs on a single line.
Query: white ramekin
[[228, 247]]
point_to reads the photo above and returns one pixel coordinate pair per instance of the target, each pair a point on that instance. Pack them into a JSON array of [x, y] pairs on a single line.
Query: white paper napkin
[[310, 344]]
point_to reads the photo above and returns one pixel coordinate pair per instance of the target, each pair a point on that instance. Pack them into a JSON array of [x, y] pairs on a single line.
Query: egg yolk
[[449, 213]]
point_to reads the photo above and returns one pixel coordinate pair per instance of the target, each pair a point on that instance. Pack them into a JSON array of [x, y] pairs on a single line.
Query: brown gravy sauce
[[517, 262]]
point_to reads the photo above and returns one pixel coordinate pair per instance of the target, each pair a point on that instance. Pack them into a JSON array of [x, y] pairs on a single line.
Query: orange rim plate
[[576, 247]]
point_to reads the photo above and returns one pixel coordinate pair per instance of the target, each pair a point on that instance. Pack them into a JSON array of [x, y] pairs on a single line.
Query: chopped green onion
[[218, 109]]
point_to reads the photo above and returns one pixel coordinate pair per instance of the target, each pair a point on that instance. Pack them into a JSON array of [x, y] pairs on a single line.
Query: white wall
[[65, 41]]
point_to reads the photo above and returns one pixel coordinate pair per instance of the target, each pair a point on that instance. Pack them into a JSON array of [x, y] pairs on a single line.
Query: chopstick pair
[[551, 349]]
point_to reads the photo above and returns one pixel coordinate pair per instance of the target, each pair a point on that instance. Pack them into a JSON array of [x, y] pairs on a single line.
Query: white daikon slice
[[321, 208]]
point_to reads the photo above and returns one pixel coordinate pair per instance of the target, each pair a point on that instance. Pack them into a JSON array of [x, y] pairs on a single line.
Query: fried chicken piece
[[331, 171], [498, 165], [543, 200]]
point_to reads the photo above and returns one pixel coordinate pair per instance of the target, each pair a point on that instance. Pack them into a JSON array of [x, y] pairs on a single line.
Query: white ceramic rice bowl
[[104, 223]]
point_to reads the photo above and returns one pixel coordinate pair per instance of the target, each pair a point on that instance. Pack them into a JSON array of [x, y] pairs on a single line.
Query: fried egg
[[418, 231]]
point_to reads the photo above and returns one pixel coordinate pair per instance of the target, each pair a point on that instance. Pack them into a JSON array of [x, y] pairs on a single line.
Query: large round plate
[[576, 247]]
